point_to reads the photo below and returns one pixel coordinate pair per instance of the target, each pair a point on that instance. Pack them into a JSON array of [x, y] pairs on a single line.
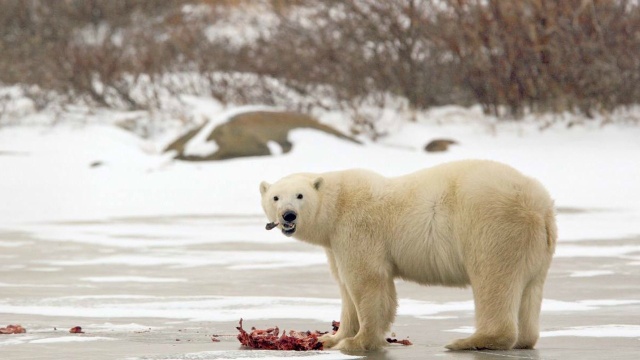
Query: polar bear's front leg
[[348, 321], [349, 317], [374, 295]]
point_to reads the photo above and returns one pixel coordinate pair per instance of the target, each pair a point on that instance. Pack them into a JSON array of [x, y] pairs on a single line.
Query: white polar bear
[[474, 222]]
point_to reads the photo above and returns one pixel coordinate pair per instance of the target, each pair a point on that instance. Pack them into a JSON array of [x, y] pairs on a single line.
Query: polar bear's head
[[292, 202]]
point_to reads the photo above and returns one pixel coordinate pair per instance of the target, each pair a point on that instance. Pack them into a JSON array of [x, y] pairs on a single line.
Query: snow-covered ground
[[48, 173], [98, 225]]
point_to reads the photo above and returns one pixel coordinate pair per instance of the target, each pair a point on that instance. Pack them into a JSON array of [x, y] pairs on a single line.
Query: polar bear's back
[[456, 212], [475, 184]]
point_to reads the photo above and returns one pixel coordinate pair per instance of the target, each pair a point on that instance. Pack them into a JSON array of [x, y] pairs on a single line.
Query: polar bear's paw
[[360, 344], [482, 342], [329, 340]]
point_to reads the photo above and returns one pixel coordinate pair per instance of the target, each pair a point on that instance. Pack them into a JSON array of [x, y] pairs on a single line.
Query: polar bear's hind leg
[[496, 309], [528, 317]]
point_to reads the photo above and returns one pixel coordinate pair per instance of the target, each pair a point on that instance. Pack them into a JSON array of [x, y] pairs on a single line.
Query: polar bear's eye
[[299, 196], [275, 198]]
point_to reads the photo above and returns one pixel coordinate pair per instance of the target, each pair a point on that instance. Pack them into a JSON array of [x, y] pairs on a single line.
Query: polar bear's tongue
[[271, 225]]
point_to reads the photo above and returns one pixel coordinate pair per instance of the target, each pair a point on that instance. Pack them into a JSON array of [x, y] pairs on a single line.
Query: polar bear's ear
[[264, 186], [317, 183]]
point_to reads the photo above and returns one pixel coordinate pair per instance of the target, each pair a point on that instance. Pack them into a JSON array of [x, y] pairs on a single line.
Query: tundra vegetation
[[511, 57]]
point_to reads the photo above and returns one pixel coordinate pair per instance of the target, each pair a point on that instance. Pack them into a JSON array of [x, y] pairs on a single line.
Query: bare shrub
[[510, 56], [357, 47], [90, 49], [545, 55]]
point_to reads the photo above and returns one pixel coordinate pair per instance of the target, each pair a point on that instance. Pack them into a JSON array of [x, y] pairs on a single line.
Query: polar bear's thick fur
[[474, 222]]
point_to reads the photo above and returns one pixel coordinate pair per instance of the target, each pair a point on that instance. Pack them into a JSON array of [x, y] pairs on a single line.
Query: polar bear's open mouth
[[288, 228]]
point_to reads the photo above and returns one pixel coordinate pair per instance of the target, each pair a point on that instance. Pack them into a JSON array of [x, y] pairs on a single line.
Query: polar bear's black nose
[[289, 216]]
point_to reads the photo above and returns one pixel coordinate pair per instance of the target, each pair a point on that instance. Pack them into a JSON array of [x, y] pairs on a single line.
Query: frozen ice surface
[[160, 254]]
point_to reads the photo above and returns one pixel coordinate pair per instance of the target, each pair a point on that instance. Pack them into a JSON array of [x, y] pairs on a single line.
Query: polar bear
[[472, 222]]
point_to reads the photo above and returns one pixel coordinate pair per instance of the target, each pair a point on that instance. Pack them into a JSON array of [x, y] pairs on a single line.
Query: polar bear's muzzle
[[289, 222]]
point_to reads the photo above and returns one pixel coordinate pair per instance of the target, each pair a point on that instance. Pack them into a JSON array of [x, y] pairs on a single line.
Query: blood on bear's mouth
[[288, 222], [288, 228]]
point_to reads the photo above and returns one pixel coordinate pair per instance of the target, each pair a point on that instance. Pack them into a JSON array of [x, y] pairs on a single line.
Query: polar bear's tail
[[552, 230]]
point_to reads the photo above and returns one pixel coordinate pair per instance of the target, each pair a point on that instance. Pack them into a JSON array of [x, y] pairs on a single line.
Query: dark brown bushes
[[509, 56]]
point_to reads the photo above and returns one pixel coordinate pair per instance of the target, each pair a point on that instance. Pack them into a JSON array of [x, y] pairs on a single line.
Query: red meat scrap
[[335, 325], [13, 329], [401, 342], [76, 330], [271, 339]]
